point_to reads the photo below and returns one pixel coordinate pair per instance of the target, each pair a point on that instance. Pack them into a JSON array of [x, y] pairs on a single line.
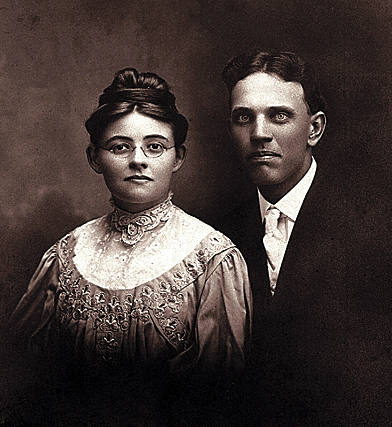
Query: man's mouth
[[262, 155], [138, 178]]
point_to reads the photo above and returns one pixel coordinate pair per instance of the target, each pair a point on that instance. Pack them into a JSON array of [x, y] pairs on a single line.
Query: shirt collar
[[291, 203]]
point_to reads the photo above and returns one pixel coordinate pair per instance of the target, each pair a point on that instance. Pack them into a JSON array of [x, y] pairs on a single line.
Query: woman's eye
[[155, 146], [120, 148]]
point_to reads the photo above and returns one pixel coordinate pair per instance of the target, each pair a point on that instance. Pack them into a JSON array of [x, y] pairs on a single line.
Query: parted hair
[[286, 65], [146, 93]]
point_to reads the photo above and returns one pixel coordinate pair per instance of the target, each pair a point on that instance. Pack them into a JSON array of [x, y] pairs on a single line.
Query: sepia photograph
[[195, 213]]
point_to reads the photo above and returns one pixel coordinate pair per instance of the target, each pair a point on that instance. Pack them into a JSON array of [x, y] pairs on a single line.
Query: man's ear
[[180, 157], [92, 157], [318, 122]]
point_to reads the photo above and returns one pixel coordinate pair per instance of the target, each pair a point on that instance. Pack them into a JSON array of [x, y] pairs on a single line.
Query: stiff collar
[[133, 226], [290, 204]]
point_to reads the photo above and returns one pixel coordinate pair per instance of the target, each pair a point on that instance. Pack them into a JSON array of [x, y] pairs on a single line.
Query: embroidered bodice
[[161, 238], [162, 299]]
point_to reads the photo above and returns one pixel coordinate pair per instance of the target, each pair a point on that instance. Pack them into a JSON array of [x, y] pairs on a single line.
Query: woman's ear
[[92, 157], [180, 157], [318, 123]]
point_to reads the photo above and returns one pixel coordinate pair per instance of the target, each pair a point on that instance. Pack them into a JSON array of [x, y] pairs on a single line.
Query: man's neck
[[291, 201], [273, 193]]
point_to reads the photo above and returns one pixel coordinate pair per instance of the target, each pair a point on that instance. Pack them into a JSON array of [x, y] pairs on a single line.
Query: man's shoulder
[[355, 200], [335, 198], [239, 214]]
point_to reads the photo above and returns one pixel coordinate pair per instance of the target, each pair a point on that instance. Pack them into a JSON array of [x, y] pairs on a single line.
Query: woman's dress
[[157, 291]]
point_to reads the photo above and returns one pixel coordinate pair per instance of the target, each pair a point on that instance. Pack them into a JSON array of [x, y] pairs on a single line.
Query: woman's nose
[[137, 157]]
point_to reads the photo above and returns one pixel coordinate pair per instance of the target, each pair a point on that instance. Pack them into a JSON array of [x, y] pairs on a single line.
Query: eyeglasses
[[124, 150]]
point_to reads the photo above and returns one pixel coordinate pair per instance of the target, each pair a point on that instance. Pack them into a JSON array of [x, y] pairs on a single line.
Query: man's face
[[273, 131]]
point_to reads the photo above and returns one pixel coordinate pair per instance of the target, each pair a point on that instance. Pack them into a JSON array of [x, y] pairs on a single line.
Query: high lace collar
[[133, 226]]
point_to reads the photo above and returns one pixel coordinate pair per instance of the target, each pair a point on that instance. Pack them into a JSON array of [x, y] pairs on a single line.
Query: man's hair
[[286, 65]]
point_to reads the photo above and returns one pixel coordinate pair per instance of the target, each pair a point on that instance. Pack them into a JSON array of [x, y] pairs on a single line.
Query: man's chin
[[265, 180]]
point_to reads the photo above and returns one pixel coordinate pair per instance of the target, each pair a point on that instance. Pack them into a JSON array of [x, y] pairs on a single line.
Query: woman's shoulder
[[193, 225], [200, 233], [90, 226], [189, 220]]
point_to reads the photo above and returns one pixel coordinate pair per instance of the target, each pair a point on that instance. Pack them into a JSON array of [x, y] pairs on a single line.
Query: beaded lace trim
[[133, 226]]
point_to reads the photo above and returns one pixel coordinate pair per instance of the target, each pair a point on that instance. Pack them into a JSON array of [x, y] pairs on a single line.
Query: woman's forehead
[[136, 125]]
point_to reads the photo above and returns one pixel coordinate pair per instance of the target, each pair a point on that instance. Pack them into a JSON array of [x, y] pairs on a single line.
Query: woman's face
[[137, 182]]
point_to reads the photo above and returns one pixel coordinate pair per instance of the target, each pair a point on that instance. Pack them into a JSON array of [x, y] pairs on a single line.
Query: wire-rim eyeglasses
[[124, 150]]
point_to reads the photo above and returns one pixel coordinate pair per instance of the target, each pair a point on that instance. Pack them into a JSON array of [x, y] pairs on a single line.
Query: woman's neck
[[135, 208]]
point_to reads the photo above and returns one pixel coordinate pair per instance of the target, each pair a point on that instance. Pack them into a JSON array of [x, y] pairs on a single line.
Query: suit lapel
[[254, 252], [310, 232]]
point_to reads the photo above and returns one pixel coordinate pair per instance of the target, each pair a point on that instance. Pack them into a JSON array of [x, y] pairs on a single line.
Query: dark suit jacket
[[322, 344]]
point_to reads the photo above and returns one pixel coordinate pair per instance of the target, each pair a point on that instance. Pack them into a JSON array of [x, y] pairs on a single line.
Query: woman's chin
[[136, 203]]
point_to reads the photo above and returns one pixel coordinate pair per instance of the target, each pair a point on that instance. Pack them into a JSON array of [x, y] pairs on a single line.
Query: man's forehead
[[263, 89]]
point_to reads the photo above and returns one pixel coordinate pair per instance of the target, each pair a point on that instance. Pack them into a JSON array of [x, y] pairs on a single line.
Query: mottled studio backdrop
[[56, 56]]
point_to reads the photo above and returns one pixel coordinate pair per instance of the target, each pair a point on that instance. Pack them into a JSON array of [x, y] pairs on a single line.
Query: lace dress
[[158, 289]]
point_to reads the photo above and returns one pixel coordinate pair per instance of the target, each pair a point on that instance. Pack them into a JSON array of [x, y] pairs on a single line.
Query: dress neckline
[[133, 226]]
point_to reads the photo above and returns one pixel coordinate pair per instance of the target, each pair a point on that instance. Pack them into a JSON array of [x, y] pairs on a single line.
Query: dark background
[[56, 57]]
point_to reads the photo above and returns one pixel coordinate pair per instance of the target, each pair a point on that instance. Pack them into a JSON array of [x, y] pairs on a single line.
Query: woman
[[146, 291]]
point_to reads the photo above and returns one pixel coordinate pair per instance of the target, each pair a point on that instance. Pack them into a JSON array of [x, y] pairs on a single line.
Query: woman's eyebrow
[[156, 136], [115, 137], [129, 139]]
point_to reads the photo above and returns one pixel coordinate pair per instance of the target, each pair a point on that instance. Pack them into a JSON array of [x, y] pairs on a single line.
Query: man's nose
[[261, 129]]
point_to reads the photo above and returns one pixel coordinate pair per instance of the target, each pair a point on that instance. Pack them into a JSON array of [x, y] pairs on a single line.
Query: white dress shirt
[[289, 206]]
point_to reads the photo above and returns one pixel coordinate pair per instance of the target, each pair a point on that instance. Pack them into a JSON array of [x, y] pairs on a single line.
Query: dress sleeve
[[223, 325], [30, 322]]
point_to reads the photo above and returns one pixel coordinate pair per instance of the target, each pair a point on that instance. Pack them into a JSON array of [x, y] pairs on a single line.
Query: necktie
[[274, 239]]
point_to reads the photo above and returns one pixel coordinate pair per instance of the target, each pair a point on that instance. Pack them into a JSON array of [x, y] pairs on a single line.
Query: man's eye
[[120, 148], [281, 117], [241, 119]]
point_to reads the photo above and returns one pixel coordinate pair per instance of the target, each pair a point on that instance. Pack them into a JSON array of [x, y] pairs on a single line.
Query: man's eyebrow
[[241, 109], [282, 108], [271, 107]]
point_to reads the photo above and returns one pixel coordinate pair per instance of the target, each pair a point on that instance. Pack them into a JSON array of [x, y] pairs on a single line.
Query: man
[[318, 254]]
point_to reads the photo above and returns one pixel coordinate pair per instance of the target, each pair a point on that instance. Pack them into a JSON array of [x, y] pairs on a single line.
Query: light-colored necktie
[[274, 238]]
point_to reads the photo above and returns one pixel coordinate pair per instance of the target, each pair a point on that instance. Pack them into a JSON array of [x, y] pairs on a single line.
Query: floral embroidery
[[63, 249], [108, 342], [161, 304], [157, 303], [108, 345], [202, 257], [171, 328]]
